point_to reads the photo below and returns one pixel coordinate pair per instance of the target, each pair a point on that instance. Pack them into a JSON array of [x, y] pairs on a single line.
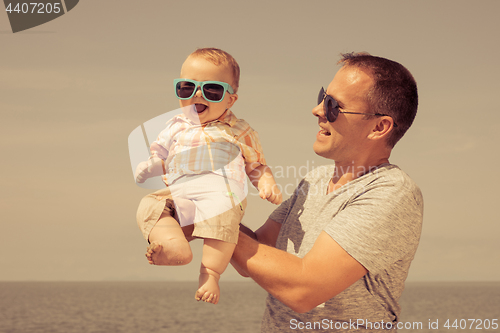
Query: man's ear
[[232, 100], [382, 128]]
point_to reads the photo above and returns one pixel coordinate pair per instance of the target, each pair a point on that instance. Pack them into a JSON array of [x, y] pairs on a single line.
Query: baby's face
[[199, 69]]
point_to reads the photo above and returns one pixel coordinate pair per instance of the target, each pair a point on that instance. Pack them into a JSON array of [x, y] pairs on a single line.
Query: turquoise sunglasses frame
[[226, 86]]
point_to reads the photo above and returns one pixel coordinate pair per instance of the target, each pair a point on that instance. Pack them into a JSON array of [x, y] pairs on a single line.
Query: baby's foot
[[168, 254], [209, 288]]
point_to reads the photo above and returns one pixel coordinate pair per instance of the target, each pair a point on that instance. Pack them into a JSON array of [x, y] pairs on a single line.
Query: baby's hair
[[218, 58]]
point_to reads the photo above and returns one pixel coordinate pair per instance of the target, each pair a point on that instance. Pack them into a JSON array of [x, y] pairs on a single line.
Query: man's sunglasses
[[331, 108], [212, 91]]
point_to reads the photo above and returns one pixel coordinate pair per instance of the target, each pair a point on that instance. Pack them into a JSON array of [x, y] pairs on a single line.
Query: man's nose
[[318, 110]]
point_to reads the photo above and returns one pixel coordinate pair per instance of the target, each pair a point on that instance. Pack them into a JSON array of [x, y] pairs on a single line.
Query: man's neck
[[346, 172]]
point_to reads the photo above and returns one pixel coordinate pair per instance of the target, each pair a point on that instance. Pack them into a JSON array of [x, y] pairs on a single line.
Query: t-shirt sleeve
[[279, 214], [381, 225]]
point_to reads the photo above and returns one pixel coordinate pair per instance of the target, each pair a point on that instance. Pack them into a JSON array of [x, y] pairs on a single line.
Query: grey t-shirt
[[377, 219]]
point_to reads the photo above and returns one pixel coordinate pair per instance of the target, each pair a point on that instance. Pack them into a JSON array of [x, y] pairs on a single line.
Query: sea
[[150, 307]]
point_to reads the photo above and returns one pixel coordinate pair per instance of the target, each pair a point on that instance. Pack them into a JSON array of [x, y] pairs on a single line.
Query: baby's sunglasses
[[212, 91], [331, 108]]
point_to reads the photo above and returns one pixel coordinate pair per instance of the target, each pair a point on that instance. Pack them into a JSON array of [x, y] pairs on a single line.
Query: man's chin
[[321, 151]]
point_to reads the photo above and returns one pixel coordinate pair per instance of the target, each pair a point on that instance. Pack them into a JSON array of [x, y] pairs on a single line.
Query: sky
[[73, 89]]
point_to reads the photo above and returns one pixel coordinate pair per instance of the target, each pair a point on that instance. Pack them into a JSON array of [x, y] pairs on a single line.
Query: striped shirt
[[222, 146]]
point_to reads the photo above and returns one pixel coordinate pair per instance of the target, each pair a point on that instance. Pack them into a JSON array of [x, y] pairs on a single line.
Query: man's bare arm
[[300, 283], [266, 234], [247, 231]]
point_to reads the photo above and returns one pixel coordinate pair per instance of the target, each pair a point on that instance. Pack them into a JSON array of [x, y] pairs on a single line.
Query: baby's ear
[[232, 99]]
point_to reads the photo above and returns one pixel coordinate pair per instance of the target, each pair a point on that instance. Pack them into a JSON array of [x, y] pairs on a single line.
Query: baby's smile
[[200, 108]]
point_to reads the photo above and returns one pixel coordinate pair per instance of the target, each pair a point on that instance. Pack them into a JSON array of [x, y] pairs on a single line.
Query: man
[[335, 255]]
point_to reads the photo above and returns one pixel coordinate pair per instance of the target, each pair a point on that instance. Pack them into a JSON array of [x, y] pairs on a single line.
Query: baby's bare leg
[[216, 256], [168, 244]]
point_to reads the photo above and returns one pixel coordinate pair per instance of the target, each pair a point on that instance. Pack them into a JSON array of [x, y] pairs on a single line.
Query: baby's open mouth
[[200, 108]]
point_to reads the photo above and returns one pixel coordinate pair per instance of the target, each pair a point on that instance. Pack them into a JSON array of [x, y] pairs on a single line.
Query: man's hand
[[150, 168]]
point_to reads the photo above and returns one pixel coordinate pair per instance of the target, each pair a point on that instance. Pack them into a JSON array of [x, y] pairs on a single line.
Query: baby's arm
[[153, 167], [262, 178], [150, 168]]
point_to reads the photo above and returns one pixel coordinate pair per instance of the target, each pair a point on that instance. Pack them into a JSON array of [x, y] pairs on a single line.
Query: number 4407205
[[478, 324], [34, 8]]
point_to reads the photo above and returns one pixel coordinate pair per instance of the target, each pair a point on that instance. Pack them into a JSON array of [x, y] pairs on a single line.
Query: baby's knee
[[188, 257], [185, 256]]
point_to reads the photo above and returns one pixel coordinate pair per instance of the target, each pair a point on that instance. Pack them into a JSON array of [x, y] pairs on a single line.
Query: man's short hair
[[220, 58], [394, 91]]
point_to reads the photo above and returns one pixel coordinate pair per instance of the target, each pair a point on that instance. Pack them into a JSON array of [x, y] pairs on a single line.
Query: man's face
[[345, 139]]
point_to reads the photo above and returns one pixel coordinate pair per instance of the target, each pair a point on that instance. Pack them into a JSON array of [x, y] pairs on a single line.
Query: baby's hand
[[141, 172], [147, 169], [271, 193]]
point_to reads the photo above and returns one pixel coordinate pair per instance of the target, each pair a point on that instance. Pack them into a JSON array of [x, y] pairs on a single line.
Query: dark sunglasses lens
[[213, 91], [321, 95], [331, 109], [184, 89]]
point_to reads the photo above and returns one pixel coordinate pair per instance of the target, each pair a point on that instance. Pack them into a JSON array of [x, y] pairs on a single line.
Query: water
[[128, 307], [136, 307], [426, 302]]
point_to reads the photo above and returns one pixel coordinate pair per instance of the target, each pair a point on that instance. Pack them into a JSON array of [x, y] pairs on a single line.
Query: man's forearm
[[274, 270], [300, 283], [282, 274], [247, 231]]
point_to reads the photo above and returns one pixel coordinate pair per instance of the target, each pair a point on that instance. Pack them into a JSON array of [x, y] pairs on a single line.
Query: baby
[[204, 156]]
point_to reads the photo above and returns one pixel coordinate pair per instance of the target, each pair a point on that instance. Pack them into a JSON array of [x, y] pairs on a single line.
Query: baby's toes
[[214, 299], [199, 295]]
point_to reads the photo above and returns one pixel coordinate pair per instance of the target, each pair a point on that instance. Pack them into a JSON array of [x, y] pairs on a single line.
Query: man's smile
[[324, 132]]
